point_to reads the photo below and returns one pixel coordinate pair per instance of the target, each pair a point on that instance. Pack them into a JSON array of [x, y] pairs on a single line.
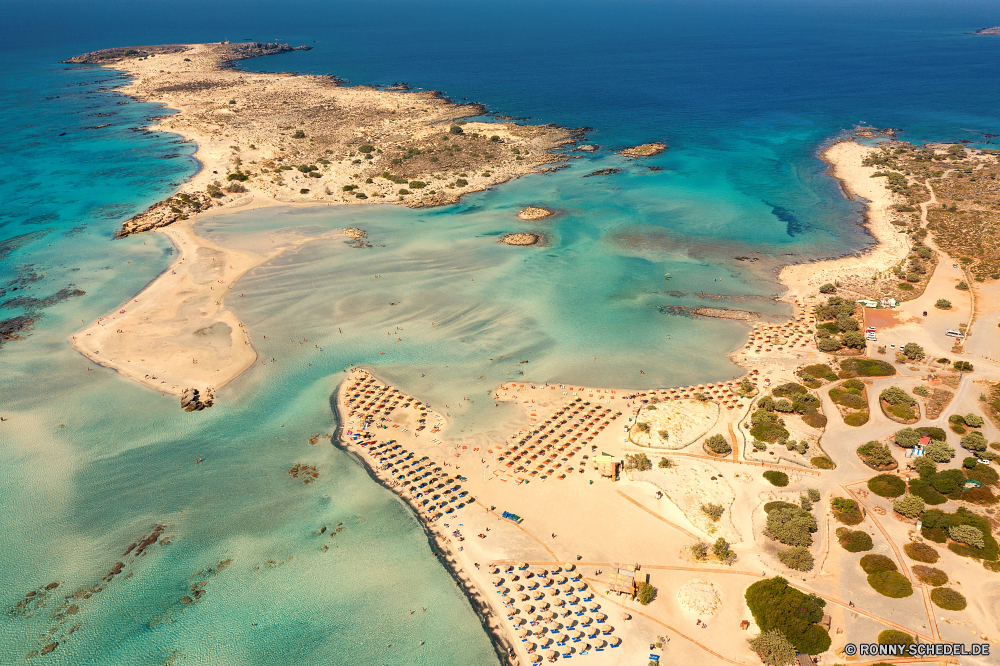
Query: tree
[[896, 396], [777, 606], [854, 340], [974, 441], [746, 386], [455, 129], [827, 288], [791, 526], [366, 148], [847, 323], [962, 286], [773, 649], [797, 558], [967, 534], [906, 438], [638, 461], [828, 344], [876, 455], [973, 420], [913, 351], [718, 444], [943, 304], [699, 550], [908, 505], [646, 593], [665, 463], [722, 551], [938, 451]]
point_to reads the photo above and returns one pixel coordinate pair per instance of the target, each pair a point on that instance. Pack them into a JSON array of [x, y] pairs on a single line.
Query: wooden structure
[[625, 580], [607, 465]]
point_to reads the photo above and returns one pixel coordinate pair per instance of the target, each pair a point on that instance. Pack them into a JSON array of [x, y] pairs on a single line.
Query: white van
[[952, 333]]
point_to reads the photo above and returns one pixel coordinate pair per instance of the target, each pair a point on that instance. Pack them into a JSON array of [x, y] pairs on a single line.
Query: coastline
[[185, 310], [844, 159], [177, 332]]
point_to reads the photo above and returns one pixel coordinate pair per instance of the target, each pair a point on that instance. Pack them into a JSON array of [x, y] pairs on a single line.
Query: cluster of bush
[[851, 395], [921, 552], [887, 485], [959, 424], [885, 578], [877, 456], [940, 527], [776, 606], [794, 398], [814, 375], [640, 462], [897, 403], [766, 426], [865, 367], [846, 511], [854, 541], [793, 525], [839, 328], [720, 549], [718, 444]]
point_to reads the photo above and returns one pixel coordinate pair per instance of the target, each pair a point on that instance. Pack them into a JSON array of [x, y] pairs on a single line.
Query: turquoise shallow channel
[[91, 462]]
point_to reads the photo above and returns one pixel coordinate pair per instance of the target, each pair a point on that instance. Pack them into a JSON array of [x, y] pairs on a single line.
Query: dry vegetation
[[309, 138], [966, 220]]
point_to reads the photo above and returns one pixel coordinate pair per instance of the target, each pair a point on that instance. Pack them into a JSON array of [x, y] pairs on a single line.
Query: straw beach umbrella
[[522, 597], [528, 608], [615, 641], [593, 607]]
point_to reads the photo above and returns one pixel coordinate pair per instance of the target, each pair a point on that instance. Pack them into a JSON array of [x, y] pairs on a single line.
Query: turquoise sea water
[[90, 462]]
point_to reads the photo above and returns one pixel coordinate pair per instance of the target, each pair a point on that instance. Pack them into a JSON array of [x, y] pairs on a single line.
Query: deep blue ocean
[[744, 94]]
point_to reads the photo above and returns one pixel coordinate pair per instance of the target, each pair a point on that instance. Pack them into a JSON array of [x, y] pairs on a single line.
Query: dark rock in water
[[655, 168], [49, 648], [191, 400], [603, 172]]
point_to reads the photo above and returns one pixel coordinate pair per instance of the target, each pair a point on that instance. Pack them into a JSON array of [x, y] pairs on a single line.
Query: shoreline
[[843, 159]]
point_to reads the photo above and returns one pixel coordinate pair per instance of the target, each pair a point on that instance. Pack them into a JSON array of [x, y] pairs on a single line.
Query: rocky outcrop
[[191, 400], [587, 148], [532, 213], [603, 172], [995, 30], [521, 239], [645, 150]]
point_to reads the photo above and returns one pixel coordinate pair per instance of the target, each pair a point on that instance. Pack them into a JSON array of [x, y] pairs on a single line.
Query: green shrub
[[461, 182], [819, 370], [814, 419], [876, 563], [846, 511], [904, 286], [891, 584], [906, 438], [896, 396], [967, 534], [867, 367], [699, 550], [778, 607], [854, 541], [850, 400], [938, 451], [366, 148], [767, 427], [962, 286], [913, 351], [417, 184], [789, 389], [646, 593], [921, 552], [921, 391], [948, 599], [943, 304], [237, 175], [876, 455], [973, 420], [887, 485], [718, 444], [455, 129], [829, 344], [778, 504], [403, 192], [856, 419], [792, 527], [299, 134], [797, 558], [854, 385], [974, 441], [932, 432], [822, 462], [894, 637], [962, 366], [776, 478], [304, 190], [948, 481], [772, 647], [827, 288], [930, 575], [908, 505], [923, 489]]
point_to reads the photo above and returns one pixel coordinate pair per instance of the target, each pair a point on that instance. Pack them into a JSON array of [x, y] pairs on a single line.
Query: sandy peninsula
[[279, 139]]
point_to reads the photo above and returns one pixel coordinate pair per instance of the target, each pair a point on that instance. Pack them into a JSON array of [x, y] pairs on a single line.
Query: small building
[[625, 580], [607, 465]]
